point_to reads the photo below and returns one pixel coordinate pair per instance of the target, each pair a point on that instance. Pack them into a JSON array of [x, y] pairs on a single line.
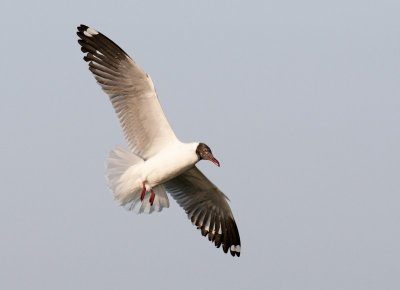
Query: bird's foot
[[152, 196], [143, 192]]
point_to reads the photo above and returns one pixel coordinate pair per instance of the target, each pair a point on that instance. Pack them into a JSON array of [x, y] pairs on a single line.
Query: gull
[[156, 162]]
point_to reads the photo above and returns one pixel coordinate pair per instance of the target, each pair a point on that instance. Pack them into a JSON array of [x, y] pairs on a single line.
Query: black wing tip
[[86, 31], [231, 238], [82, 27], [230, 241], [100, 42], [235, 250]]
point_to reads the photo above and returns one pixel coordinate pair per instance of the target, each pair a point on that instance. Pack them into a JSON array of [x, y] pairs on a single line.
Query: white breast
[[169, 163]]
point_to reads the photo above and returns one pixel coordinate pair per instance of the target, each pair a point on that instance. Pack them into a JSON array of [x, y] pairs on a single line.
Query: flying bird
[[157, 162]]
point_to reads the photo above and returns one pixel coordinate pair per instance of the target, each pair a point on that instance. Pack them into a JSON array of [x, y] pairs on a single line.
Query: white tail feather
[[124, 175]]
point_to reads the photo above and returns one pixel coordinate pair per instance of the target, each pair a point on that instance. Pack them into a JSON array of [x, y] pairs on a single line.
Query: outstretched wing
[[207, 208], [131, 92]]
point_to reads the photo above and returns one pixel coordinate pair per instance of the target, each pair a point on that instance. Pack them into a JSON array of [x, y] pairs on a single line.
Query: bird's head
[[204, 152]]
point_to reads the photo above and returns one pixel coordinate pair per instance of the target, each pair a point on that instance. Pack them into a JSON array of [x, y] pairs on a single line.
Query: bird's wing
[[131, 92], [207, 208]]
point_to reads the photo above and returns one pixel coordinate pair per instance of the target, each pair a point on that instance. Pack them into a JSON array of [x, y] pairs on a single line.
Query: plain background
[[299, 100]]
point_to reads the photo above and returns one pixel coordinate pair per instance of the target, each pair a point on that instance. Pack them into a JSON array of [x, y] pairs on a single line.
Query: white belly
[[169, 163]]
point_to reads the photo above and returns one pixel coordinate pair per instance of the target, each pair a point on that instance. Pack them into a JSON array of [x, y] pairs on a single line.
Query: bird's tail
[[123, 176]]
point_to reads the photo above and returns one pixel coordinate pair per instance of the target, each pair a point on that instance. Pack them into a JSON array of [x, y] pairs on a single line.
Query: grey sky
[[299, 100]]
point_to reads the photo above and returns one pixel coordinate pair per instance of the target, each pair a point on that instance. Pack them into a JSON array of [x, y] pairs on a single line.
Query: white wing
[[207, 208], [131, 92]]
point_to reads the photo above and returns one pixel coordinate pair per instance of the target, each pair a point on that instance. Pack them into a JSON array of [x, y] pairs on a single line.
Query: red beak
[[213, 160]]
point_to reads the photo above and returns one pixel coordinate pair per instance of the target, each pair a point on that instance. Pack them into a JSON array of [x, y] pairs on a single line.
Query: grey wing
[[131, 92], [207, 208]]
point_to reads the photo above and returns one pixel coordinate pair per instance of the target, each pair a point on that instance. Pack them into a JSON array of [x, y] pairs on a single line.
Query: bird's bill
[[213, 160]]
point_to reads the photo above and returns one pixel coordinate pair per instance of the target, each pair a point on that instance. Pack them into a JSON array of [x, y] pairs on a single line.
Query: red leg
[[152, 197], [142, 193]]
